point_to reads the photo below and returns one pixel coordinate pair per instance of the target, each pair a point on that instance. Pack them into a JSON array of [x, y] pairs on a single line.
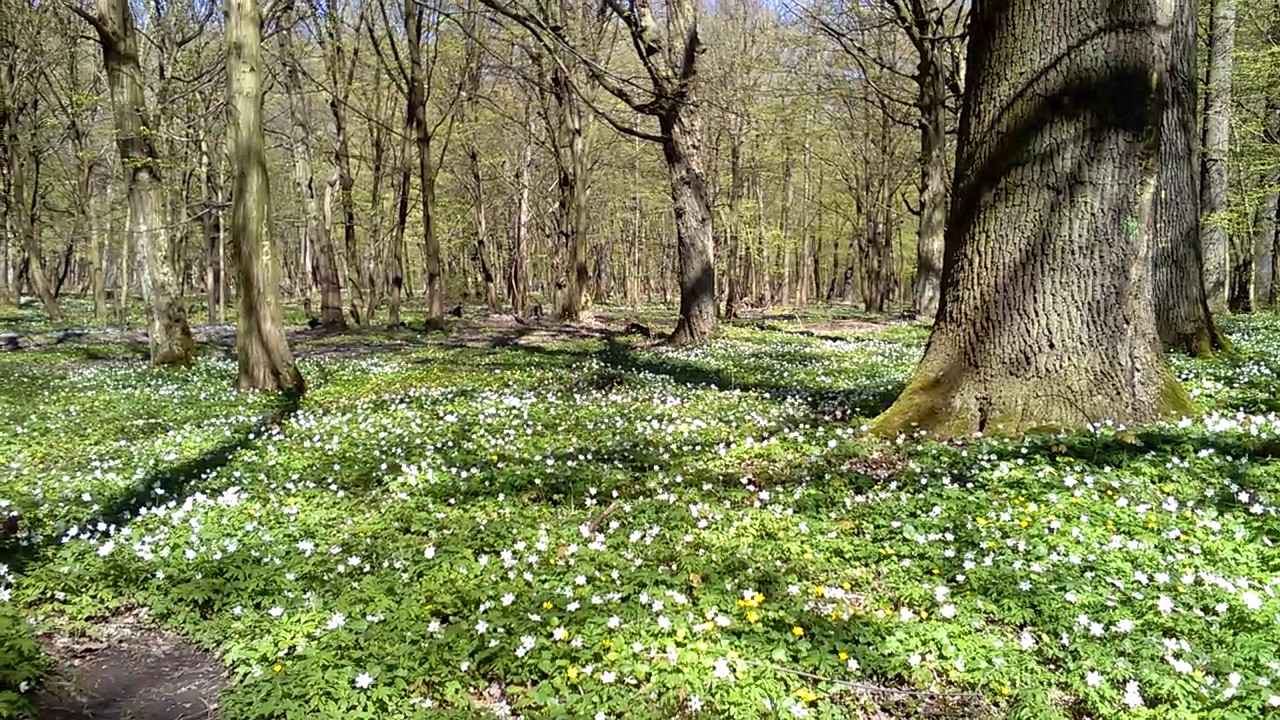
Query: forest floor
[[512, 520]]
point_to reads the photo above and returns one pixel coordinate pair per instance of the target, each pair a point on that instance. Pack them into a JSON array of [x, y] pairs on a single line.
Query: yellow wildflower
[[797, 631], [277, 667]]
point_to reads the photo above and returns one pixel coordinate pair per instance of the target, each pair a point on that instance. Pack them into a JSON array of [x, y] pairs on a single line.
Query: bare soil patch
[[128, 669]]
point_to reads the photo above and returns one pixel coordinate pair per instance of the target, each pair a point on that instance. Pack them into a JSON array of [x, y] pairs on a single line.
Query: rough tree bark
[[1047, 314], [1182, 313], [925, 25], [167, 329], [323, 266], [1217, 137], [572, 151], [695, 238], [265, 361]]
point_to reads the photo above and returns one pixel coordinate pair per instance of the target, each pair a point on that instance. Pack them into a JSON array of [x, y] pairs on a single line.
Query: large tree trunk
[[1047, 315], [695, 241], [1217, 136], [167, 329], [413, 13], [265, 360], [323, 265], [1182, 315]]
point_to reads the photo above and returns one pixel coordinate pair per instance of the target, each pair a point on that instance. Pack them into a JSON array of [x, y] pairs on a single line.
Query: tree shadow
[[175, 483], [621, 363]]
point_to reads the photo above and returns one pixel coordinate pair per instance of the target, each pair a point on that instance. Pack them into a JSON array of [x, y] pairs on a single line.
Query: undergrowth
[[592, 530]]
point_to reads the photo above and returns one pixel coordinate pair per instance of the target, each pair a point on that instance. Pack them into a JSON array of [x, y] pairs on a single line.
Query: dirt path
[[129, 670]]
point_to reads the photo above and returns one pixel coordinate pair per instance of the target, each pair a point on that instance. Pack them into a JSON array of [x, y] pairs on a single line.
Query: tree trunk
[[1264, 245], [1047, 316], [932, 187], [167, 329], [695, 242], [784, 228], [1182, 313], [323, 266], [335, 64], [737, 189], [99, 207], [265, 360], [1240, 298], [1217, 137], [413, 13], [18, 207], [396, 261], [211, 222], [1264, 253], [571, 153], [518, 261]]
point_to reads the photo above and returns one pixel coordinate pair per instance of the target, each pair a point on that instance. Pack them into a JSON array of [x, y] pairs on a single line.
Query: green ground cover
[[598, 529]]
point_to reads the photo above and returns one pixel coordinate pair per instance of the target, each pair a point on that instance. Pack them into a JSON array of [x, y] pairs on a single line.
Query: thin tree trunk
[[335, 63], [265, 361], [323, 265], [1217, 137], [784, 228], [211, 222], [26, 215], [1264, 253], [737, 188], [1047, 313], [469, 104], [97, 242], [413, 13], [518, 263], [396, 260], [1264, 245], [167, 329], [805, 261]]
